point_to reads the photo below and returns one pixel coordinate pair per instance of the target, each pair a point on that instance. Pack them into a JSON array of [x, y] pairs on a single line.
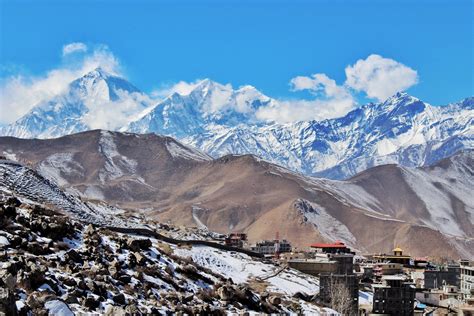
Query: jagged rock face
[[373, 211], [220, 120], [91, 269]]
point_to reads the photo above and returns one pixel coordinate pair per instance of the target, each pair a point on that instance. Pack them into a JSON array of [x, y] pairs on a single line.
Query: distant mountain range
[[220, 120], [428, 210]]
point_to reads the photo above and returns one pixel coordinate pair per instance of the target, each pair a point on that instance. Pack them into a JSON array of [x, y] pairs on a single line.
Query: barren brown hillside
[[426, 211]]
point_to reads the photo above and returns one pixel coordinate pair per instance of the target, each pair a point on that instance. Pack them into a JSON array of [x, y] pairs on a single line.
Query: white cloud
[[331, 101], [376, 76], [20, 93], [319, 83], [112, 115], [380, 77], [285, 111], [74, 48], [181, 87]]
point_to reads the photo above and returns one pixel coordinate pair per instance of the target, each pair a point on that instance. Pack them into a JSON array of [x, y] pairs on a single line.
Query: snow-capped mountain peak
[[86, 98], [220, 120]]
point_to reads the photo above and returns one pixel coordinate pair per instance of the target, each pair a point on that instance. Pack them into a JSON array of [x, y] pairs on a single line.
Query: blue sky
[[262, 43]]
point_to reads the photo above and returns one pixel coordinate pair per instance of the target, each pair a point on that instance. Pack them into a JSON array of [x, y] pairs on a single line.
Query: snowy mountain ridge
[[220, 120]]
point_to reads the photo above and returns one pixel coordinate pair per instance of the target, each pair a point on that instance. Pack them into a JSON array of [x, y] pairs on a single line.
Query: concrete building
[[325, 263], [344, 263], [269, 247], [337, 247], [313, 266], [447, 297], [386, 268], [449, 275], [394, 296], [467, 279]]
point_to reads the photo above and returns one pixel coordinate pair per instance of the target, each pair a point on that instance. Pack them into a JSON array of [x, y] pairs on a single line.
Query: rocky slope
[[221, 120], [373, 211], [52, 264]]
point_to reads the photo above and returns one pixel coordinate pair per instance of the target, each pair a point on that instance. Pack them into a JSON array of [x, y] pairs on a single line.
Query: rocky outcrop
[[53, 261]]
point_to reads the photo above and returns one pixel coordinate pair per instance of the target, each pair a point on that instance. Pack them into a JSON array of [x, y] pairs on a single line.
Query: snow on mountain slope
[[27, 184], [210, 105], [241, 269], [438, 197], [401, 130], [372, 211], [221, 120]]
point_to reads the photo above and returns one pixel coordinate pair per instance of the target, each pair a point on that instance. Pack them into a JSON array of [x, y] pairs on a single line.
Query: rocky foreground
[[53, 264]]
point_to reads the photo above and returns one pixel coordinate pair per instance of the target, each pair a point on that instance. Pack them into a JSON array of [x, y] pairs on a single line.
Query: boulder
[[74, 256], [37, 248], [13, 201], [91, 303], [225, 293], [111, 310], [274, 300], [7, 302], [7, 279], [138, 244], [10, 211], [119, 299], [125, 278], [132, 309], [139, 258]]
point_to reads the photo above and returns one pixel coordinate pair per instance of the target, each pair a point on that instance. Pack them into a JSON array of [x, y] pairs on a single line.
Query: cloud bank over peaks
[[380, 77], [376, 77], [19, 93]]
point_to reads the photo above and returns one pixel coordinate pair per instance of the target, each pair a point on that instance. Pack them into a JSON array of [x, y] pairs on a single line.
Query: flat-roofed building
[[449, 275], [467, 279], [394, 296], [396, 257], [336, 247], [387, 268], [269, 247]]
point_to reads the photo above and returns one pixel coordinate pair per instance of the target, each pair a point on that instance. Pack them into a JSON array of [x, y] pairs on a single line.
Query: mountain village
[[375, 284]]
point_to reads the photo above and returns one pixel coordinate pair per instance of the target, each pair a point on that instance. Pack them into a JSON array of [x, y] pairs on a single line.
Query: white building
[[467, 279]]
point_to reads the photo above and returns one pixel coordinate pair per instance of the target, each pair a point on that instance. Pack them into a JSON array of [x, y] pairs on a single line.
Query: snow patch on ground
[[195, 211], [55, 165], [242, 269], [4, 241], [327, 225], [93, 192], [116, 165], [185, 152], [58, 308], [10, 155]]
